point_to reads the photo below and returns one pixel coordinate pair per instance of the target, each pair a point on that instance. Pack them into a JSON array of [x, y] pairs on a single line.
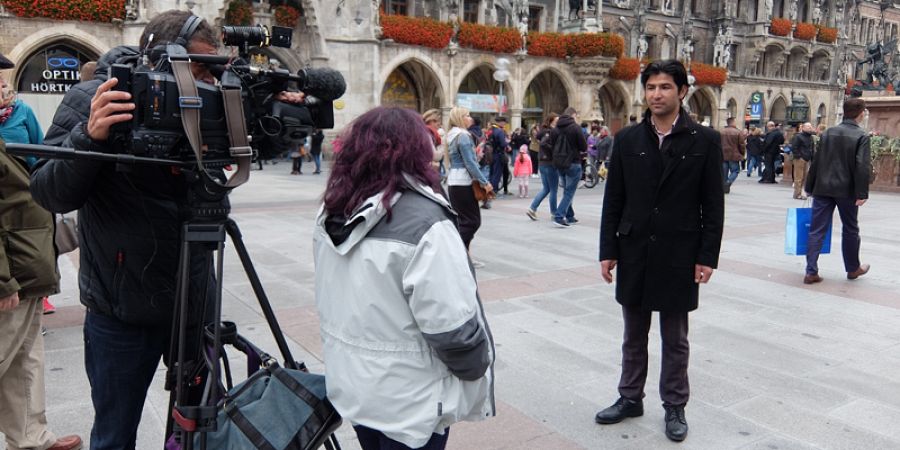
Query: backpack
[[487, 151], [562, 154]]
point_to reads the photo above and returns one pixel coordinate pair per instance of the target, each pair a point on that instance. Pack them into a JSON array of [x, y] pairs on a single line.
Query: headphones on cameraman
[[187, 30]]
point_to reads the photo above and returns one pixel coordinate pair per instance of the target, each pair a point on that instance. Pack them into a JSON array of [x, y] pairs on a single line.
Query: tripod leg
[[177, 344], [235, 233]]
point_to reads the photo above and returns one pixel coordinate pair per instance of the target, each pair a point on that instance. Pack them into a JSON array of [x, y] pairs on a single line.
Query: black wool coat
[[659, 219]]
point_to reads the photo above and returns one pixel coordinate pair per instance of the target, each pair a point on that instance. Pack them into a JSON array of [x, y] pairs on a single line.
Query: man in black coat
[[839, 178], [130, 225], [661, 229], [771, 148]]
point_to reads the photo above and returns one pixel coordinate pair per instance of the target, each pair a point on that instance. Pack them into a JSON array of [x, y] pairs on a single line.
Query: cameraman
[[130, 229]]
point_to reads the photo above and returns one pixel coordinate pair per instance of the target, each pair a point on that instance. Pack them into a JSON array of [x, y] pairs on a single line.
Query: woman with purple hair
[[406, 346]]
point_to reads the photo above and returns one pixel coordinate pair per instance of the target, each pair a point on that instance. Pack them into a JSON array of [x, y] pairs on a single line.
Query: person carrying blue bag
[[839, 178]]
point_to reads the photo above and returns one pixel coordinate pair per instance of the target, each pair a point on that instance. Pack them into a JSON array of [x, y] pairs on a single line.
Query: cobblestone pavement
[[775, 364]]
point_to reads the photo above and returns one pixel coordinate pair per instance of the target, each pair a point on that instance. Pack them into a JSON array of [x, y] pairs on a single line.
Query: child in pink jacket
[[522, 170]]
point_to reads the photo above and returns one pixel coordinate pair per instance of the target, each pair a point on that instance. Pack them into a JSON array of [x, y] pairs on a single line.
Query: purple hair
[[376, 150]]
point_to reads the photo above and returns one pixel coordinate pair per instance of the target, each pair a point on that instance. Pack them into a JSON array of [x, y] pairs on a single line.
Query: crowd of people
[[401, 208]]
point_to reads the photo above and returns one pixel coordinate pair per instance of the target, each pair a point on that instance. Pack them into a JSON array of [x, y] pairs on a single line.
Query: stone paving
[[775, 364]]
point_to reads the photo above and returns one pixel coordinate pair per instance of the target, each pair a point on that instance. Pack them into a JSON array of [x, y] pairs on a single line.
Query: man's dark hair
[[501, 119], [671, 67], [166, 27], [584, 124], [570, 111], [854, 107], [476, 121], [729, 121]]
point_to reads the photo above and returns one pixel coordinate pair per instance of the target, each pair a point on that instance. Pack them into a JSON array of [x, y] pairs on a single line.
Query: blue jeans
[[572, 176], [754, 162], [730, 171], [120, 360], [549, 182], [317, 158], [822, 214]]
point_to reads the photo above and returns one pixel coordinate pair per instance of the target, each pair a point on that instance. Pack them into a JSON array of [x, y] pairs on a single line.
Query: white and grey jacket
[[406, 345]]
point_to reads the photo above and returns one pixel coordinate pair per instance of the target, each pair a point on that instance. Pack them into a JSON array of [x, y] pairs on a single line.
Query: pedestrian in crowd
[[129, 234], [801, 155], [754, 151], [463, 171], [19, 125], [29, 275], [839, 177], [298, 155], [661, 229], [87, 71], [500, 162], [573, 146], [733, 149], [315, 149], [432, 119], [604, 145], [549, 174], [412, 353], [534, 148], [522, 170], [772, 142]]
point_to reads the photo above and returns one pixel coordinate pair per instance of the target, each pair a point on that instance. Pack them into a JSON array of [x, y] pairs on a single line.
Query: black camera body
[[156, 129]]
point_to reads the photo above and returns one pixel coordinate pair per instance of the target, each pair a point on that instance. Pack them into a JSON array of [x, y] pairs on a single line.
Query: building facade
[[784, 78]]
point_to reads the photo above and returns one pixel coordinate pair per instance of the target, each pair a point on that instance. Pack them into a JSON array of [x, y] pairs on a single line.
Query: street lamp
[[501, 74]]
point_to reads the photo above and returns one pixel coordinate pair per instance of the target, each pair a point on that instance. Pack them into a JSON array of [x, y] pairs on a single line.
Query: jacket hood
[[124, 54], [346, 233], [454, 133], [565, 121]]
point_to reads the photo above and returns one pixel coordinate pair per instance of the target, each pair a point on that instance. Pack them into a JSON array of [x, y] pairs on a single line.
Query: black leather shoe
[[676, 423], [622, 409]]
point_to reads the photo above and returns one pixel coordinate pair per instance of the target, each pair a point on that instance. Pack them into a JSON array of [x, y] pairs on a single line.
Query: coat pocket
[[624, 228], [32, 258]]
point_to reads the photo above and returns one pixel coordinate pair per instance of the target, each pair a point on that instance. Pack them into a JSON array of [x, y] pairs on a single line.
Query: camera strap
[[191, 103]]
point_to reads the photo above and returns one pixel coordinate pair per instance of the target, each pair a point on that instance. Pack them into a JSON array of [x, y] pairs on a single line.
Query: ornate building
[[787, 60]]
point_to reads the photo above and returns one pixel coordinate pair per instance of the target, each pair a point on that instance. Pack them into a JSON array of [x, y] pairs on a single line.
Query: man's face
[[662, 94], [201, 71], [6, 93]]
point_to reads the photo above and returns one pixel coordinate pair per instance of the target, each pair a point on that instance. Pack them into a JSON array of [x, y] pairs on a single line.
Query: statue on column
[[769, 10], [687, 51], [642, 47], [523, 33], [817, 12], [719, 49], [793, 10]]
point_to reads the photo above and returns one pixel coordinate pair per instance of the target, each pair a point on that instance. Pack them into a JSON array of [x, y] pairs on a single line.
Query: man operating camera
[[130, 224]]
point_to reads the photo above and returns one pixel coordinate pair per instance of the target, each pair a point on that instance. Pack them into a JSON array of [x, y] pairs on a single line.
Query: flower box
[[780, 26], [239, 12], [86, 10], [492, 39], [805, 31], [287, 16], [625, 68], [827, 35], [421, 31], [705, 74]]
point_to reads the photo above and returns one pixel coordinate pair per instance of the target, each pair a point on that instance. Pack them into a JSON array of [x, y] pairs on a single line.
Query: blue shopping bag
[[796, 233]]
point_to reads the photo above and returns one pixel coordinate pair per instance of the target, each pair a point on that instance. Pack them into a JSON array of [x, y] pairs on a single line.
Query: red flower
[[705, 74], [416, 30], [87, 10], [827, 35], [492, 39], [625, 68], [239, 12], [805, 31], [780, 26], [287, 16]]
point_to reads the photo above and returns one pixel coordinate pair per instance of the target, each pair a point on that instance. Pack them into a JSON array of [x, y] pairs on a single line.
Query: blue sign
[[756, 106]]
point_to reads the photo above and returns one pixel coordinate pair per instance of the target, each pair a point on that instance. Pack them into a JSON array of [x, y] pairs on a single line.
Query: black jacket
[[754, 145], [129, 221], [659, 219], [773, 141], [842, 165], [801, 146], [577, 144]]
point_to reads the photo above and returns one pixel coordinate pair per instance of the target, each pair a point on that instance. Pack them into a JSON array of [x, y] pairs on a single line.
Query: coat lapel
[[679, 142]]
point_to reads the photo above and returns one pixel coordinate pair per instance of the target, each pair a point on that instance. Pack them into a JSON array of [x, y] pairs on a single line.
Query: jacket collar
[[851, 122], [683, 124]]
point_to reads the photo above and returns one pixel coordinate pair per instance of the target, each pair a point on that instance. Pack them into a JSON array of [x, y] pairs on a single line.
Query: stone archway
[[778, 110], [545, 94], [798, 64], [614, 105], [701, 106], [482, 92], [412, 85]]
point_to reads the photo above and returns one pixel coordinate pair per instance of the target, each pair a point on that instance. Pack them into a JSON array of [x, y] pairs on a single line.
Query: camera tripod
[[194, 374]]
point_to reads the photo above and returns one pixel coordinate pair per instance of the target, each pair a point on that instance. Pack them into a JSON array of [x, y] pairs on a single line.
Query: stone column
[[515, 118]]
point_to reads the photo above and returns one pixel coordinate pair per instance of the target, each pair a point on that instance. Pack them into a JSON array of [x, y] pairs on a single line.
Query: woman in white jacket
[[407, 349]]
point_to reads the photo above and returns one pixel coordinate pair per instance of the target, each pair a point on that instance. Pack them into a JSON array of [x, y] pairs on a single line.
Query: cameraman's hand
[[105, 111], [10, 302], [290, 97]]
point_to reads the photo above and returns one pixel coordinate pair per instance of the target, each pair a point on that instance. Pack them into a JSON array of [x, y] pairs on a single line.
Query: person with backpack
[[499, 145], [549, 176], [568, 143]]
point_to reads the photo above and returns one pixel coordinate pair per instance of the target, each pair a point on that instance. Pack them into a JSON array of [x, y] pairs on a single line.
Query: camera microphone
[[322, 83]]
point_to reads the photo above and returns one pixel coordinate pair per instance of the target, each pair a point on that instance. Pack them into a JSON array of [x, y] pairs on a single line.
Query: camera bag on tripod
[[275, 408]]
